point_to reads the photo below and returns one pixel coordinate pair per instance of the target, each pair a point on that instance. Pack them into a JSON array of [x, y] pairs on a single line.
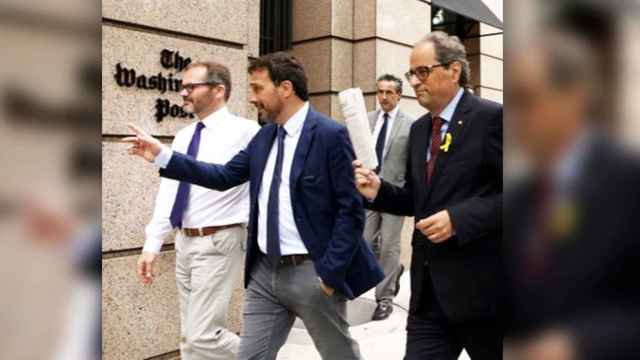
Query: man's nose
[[414, 81], [183, 92]]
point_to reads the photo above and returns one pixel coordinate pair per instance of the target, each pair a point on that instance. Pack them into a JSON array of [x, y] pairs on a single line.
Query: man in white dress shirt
[[211, 224]]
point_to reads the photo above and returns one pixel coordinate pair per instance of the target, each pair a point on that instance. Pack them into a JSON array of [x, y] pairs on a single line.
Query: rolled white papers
[[355, 114]]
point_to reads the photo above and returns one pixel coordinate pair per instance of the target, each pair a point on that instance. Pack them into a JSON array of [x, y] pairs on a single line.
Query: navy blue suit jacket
[[327, 208]]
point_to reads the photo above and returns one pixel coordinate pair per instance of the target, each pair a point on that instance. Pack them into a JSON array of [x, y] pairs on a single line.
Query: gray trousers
[[273, 299], [388, 228]]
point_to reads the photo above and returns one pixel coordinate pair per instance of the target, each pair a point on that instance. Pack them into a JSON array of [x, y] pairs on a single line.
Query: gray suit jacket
[[394, 155]]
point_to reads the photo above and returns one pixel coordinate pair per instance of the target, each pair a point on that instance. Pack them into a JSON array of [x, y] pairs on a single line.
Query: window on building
[[453, 23], [275, 25], [468, 30]]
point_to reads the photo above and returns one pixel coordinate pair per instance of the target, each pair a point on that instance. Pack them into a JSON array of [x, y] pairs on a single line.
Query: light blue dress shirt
[[447, 115]]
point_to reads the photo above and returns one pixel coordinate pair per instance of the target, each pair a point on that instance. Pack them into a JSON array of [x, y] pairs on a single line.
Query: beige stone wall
[[348, 43], [137, 321], [489, 63]]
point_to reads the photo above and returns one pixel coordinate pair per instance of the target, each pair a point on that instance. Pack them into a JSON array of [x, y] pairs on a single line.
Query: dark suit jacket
[[328, 212], [591, 284], [467, 181]]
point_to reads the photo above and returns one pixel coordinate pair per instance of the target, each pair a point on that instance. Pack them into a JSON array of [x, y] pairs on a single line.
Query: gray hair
[[448, 49], [397, 81]]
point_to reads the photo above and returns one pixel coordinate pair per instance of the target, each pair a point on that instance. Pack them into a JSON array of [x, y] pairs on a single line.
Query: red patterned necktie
[[436, 139]]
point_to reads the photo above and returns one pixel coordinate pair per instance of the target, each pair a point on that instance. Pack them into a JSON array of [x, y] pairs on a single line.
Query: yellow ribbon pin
[[564, 220], [447, 142]]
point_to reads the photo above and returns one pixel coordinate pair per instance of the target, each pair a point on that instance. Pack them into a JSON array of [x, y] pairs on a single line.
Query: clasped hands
[[437, 227]]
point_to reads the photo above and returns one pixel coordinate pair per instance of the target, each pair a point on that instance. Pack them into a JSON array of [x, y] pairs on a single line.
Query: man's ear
[[221, 90], [456, 71], [286, 89]]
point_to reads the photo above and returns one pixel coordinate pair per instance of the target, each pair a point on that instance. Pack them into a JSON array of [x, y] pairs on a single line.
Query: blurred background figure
[[50, 185], [572, 207]]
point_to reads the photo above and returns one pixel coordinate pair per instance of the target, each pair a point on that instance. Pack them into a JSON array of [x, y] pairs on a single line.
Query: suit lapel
[[261, 154], [394, 131], [304, 143], [456, 129], [372, 122]]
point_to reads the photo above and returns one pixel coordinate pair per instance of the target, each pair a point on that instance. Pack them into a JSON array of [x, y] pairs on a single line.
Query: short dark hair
[[389, 77], [282, 66], [216, 73]]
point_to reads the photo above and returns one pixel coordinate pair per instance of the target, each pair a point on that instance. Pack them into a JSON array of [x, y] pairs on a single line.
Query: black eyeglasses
[[422, 72], [189, 87]]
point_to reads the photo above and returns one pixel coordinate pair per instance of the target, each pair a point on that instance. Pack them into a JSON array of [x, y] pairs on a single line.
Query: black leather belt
[[294, 260]]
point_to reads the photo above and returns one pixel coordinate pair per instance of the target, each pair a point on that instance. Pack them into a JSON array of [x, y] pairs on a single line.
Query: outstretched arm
[[186, 168]]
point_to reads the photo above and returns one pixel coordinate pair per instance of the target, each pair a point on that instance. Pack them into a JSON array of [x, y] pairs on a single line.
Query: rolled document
[[355, 115]]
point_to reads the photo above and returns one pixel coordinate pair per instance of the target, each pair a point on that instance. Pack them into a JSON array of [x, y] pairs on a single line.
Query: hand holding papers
[[355, 114]]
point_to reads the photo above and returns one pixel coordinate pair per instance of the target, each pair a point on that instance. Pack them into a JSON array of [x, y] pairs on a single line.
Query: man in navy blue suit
[[305, 252]]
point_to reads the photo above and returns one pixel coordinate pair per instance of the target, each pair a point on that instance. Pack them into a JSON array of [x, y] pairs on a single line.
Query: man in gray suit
[[390, 128]]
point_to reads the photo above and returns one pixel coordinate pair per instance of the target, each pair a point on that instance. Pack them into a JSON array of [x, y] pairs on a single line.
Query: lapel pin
[[447, 142], [460, 122]]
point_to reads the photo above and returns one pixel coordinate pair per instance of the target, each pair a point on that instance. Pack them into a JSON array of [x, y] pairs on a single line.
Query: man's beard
[[264, 114], [269, 114]]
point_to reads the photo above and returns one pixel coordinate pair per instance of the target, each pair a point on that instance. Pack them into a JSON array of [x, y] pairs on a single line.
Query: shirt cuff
[[162, 160], [152, 245]]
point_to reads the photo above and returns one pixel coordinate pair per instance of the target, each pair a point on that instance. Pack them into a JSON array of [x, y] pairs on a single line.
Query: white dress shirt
[[223, 136], [447, 115], [290, 239]]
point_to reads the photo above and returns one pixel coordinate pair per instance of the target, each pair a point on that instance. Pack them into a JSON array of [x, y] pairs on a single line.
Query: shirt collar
[[294, 124], [216, 116], [392, 113], [569, 164], [447, 113]]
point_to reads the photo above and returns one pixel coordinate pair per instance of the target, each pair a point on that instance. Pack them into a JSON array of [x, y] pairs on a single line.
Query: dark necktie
[[436, 139], [538, 250], [180, 204], [273, 216], [382, 136]]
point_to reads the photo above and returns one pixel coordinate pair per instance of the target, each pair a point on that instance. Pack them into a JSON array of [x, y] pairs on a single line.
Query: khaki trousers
[[206, 270]]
